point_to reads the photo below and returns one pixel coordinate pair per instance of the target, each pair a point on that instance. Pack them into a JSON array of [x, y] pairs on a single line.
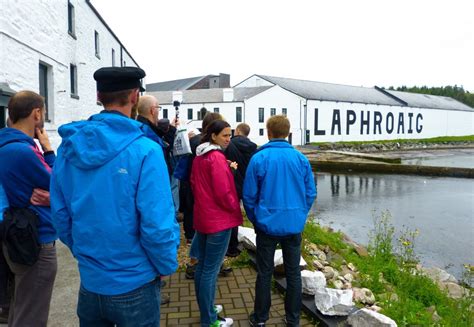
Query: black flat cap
[[112, 79]]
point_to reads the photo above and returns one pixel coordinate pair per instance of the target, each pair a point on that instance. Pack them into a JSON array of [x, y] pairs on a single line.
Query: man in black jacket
[[240, 150]]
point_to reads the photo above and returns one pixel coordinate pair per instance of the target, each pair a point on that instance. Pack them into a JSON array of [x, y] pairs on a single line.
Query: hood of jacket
[[205, 148], [92, 143], [275, 143], [10, 135], [244, 144]]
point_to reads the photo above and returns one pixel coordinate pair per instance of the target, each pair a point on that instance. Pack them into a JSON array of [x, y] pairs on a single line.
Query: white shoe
[[225, 322], [218, 308]]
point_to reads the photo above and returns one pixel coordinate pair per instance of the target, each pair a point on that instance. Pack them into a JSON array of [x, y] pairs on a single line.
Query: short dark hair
[[21, 105], [244, 128], [279, 126], [209, 118], [214, 127], [118, 97]]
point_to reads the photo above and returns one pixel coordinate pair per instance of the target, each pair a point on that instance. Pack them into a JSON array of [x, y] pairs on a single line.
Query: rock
[[439, 275], [351, 266], [338, 284], [328, 272], [434, 314], [333, 302], [363, 295], [311, 281], [318, 265], [454, 290], [349, 277], [361, 251], [368, 318], [347, 286], [278, 262], [341, 278], [375, 308], [248, 238]]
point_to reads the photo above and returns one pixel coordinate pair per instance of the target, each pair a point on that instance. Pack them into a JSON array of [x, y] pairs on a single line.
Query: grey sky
[[363, 42]]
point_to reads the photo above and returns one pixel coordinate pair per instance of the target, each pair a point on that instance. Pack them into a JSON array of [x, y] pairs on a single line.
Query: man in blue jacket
[[24, 168], [279, 190], [112, 206]]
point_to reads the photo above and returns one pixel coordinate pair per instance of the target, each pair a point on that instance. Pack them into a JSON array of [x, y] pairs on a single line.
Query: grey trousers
[[33, 289]]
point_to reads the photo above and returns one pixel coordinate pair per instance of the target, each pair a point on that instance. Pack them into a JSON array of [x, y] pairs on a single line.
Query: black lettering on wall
[[336, 121], [401, 123], [419, 127], [351, 119], [389, 123], [377, 122], [364, 122], [316, 121], [410, 116]]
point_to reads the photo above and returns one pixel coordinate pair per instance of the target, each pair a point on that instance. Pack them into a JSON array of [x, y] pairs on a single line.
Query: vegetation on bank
[[434, 140], [405, 295]]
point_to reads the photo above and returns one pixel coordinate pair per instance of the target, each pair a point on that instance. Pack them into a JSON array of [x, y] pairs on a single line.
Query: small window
[[283, 111], [97, 44], [190, 113], [70, 20], [73, 80], [261, 131], [238, 114], [165, 113], [216, 110], [43, 88], [113, 58], [261, 117], [232, 131], [273, 111]]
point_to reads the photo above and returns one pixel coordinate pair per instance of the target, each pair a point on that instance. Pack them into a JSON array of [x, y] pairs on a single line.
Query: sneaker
[[232, 253], [254, 323], [225, 271], [190, 270], [163, 283], [165, 299], [222, 322], [218, 308]]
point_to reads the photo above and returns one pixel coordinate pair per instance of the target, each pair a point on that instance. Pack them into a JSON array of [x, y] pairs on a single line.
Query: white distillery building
[[53, 48], [323, 112]]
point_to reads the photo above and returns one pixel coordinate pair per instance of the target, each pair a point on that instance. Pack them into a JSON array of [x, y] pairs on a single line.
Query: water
[[441, 208]]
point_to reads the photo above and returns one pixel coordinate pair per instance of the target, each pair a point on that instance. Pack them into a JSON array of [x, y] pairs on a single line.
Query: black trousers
[[6, 281]]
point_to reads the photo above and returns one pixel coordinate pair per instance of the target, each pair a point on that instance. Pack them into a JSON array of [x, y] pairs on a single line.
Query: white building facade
[[53, 48], [322, 112]]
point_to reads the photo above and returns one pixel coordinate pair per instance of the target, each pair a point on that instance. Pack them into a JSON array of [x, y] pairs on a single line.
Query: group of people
[[111, 197]]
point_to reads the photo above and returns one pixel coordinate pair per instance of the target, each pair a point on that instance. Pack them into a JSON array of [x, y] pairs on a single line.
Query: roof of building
[[208, 95], [429, 101], [175, 85]]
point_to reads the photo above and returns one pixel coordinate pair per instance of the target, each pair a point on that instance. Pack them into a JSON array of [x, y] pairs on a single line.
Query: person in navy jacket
[[279, 190], [111, 203]]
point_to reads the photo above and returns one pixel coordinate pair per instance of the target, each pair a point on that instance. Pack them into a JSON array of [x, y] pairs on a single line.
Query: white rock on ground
[[368, 318], [363, 295], [333, 302], [247, 237], [278, 259], [311, 281], [439, 275]]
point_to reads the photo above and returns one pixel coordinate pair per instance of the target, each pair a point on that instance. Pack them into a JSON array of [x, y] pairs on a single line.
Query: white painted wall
[[37, 31], [254, 81]]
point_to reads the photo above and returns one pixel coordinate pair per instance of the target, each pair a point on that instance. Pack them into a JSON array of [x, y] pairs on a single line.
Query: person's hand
[[40, 197], [233, 164], [175, 122], [43, 139], [191, 134]]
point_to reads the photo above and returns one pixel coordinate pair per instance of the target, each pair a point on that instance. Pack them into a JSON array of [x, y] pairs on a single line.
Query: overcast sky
[[353, 42]]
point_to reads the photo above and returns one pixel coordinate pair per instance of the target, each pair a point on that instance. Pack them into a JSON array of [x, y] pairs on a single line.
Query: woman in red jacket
[[216, 212]]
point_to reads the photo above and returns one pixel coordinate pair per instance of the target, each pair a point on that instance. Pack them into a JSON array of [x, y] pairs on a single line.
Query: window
[[43, 88], [190, 113], [283, 111], [273, 111], [113, 58], [73, 80], [238, 114], [70, 20], [232, 131], [261, 117], [165, 113], [97, 45], [261, 131], [216, 110]]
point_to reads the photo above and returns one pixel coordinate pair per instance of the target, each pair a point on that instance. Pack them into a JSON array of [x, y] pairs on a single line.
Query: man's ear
[[134, 96]]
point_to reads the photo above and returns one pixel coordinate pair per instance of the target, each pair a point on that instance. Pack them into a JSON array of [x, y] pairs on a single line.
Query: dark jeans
[[140, 307], [6, 282], [212, 248], [186, 203], [291, 247]]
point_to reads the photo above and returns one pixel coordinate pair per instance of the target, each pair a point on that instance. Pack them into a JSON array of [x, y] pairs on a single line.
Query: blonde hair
[[278, 126]]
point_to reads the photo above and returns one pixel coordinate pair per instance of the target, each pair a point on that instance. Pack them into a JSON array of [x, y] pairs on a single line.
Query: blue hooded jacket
[[111, 203], [24, 168], [279, 189]]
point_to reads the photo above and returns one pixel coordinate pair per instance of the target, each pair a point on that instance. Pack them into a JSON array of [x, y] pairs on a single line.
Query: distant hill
[[455, 92]]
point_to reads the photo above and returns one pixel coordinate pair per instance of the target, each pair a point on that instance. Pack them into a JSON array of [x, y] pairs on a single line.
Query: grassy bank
[[434, 140]]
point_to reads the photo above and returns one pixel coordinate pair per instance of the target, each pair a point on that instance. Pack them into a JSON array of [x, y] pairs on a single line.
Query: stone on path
[[333, 302], [312, 281], [368, 318]]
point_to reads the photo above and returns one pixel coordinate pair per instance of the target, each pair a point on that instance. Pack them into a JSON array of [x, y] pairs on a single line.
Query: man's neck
[[126, 110], [25, 128]]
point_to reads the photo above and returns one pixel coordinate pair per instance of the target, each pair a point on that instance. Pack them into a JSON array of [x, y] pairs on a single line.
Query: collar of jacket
[[115, 112], [146, 121], [275, 143], [206, 147]]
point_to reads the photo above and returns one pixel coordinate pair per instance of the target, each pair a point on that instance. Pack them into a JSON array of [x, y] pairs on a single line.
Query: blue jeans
[[175, 193], [194, 249], [291, 247], [212, 249], [140, 307]]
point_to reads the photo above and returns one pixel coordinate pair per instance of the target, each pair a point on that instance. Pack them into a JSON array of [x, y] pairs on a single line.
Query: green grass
[[467, 138]]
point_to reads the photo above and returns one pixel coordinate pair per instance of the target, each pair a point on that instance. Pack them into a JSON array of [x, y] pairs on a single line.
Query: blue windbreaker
[[3, 202], [22, 169], [111, 203], [279, 189]]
